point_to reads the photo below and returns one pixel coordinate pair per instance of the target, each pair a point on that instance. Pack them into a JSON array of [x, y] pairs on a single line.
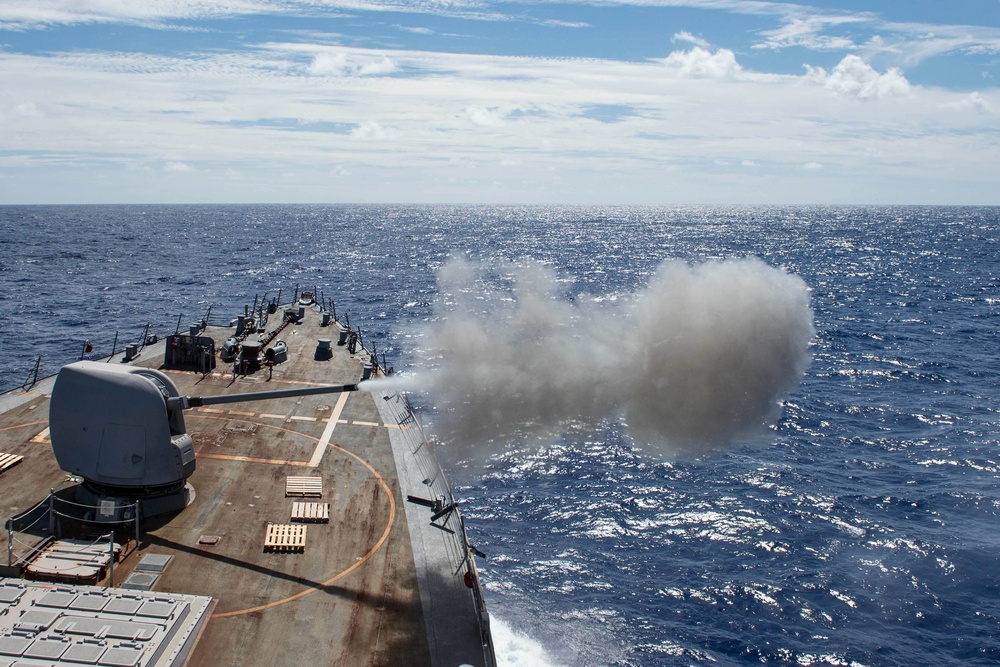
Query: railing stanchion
[[111, 552]]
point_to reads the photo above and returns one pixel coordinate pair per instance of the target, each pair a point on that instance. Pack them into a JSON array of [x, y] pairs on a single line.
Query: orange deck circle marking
[[8, 428], [340, 575]]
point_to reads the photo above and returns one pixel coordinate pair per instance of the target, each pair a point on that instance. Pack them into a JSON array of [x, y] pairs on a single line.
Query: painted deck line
[[331, 424], [241, 413], [299, 418], [215, 411], [8, 428], [250, 459], [42, 437], [268, 416], [360, 423]]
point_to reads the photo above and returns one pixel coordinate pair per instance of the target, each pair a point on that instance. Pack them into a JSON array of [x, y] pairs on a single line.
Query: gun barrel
[[198, 401]]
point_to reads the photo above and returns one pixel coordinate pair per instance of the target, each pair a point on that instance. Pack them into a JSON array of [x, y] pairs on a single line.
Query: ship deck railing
[[35, 528], [421, 449]]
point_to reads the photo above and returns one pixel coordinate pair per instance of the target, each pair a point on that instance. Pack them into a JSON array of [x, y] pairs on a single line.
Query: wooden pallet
[[311, 512], [9, 461], [304, 487], [285, 537]]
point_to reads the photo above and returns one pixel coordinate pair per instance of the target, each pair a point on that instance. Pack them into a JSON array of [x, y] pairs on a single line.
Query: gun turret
[[122, 428]]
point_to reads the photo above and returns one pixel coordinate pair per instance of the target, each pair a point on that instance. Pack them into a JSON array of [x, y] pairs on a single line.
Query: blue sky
[[613, 101]]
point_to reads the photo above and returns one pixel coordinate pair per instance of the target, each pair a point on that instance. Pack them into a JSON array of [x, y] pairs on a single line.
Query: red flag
[[88, 347]]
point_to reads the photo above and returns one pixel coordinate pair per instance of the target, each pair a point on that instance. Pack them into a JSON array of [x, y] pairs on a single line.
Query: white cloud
[[168, 13], [416, 30], [685, 36], [909, 44], [699, 63], [972, 102], [372, 130], [903, 44], [28, 110], [255, 107], [812, 165], [483, 117], [555, 23], [343, 63], [853, 77], [177, 167], [807, 32], [152, 13]]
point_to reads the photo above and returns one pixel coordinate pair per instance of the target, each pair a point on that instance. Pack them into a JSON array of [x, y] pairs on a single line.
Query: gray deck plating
[[40, 624]]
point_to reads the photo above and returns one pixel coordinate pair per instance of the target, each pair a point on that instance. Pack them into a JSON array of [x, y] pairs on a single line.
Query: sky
[[471, 101]]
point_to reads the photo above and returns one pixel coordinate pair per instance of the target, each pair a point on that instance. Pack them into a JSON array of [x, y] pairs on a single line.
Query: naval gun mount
[[121, 430]]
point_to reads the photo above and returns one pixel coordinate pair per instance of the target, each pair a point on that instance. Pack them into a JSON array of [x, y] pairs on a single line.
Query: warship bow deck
[[300, 530]]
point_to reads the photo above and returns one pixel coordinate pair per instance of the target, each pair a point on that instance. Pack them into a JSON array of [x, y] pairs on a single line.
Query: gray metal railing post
[[52, 512], [10, 542], [111, 551], [114, 346], [137, 524]]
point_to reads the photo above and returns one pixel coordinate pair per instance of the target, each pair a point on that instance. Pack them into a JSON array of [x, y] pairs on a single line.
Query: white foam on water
[[515, 649]]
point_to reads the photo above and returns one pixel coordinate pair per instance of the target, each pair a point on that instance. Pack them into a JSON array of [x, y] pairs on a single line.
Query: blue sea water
[[862, 531]]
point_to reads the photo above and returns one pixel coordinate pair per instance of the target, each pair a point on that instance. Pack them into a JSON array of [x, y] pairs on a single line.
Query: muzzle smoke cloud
[[699, 358]]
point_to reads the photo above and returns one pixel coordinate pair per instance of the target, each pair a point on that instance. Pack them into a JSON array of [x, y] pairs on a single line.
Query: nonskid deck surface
[[349, 595]]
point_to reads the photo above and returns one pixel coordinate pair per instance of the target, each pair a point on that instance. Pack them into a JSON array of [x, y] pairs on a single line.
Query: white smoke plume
[[699, 358]]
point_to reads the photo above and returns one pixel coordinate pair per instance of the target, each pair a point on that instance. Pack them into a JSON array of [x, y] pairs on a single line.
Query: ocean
[[860, 529]]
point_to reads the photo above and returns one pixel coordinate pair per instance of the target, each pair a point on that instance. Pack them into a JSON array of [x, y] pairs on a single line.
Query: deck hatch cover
[[140, 581], [154, 563], [14, 645], [47, 648], [57, 599], [121, 656], [157, 609], [10, 594], [36, 620], [86, 652], [124, 605], [90, 602]]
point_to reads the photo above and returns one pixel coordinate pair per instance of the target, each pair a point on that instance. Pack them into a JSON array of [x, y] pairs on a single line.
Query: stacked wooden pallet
[[304, 487], [311, 512], [9, 461], [285, 537]]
